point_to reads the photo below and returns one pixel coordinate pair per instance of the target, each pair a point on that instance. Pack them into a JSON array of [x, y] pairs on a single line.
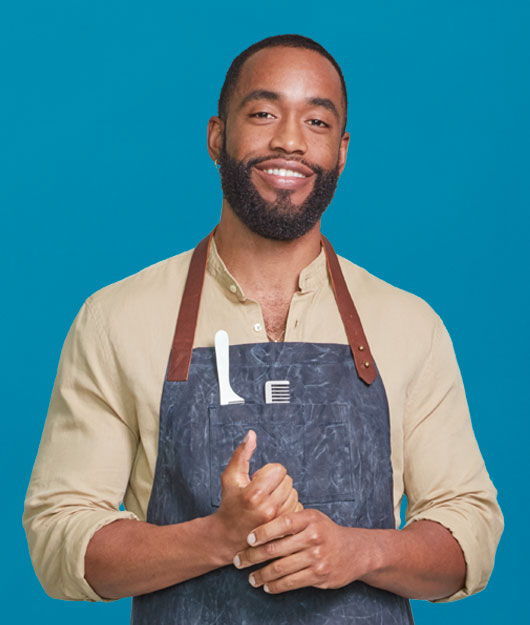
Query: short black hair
[[289, 41]]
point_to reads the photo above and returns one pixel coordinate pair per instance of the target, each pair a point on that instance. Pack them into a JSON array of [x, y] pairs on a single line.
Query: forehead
[[295, 73]]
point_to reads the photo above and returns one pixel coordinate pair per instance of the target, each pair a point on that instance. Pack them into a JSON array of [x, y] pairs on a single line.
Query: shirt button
[[233, 288], [257, 327]]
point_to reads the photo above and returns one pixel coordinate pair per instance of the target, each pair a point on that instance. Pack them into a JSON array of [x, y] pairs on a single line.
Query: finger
[[278, 569], [281, 526], [267, 479], [238, 467], [274, 549], [290, 504], [299, 506], [300, 579]]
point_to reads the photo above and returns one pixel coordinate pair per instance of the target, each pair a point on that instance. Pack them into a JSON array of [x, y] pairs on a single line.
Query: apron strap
[[364, 362], [182, 347], [179, 363]]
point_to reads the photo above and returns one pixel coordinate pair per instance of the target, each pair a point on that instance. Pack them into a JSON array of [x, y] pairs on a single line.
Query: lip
[[284, 182]]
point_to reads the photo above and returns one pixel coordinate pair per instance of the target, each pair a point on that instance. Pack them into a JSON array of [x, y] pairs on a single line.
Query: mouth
[[284, 174]]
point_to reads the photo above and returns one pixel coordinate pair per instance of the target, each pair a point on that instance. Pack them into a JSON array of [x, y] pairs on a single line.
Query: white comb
[[278, 392], [226, 394]]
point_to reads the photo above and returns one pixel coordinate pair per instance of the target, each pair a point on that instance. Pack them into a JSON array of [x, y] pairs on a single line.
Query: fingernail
[[266, 588], [237, 561], [251, 538], [252, 580]]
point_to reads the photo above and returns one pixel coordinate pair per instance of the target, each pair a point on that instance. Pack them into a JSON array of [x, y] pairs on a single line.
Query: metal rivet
[[361, 348], [233, 288], [367, 364]]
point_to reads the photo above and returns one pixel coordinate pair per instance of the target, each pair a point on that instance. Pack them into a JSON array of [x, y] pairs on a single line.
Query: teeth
[[285, 173]]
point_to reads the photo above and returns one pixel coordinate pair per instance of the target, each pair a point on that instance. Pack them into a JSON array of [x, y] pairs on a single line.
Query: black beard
[[281, 220]]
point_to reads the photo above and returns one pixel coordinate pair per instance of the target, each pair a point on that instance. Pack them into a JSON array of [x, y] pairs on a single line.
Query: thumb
[[238, 468]]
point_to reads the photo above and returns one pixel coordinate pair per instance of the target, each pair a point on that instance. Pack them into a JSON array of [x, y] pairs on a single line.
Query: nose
[[288, 136]]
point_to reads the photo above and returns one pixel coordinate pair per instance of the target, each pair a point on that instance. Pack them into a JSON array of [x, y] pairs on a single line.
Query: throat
[[275, 315]]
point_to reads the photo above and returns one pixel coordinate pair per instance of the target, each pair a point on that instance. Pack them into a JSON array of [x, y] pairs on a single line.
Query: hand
[[247, 503], [309, 549]]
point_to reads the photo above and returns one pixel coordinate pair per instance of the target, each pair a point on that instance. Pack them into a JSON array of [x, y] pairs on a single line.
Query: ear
[[343, 151], [215, 136]]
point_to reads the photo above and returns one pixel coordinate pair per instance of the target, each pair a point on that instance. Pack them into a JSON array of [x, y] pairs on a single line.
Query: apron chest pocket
[[312, 441]]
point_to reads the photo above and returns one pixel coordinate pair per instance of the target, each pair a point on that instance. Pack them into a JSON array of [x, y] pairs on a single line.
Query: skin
[[307, 548]]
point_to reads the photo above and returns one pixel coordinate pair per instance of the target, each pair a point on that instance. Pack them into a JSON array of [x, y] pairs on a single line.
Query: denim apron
[[333, 438]]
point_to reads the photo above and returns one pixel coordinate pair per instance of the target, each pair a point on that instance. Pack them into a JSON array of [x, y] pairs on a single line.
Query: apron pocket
[[312, 441]]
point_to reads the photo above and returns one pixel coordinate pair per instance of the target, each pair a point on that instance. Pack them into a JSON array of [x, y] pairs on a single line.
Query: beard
[[281, 219]]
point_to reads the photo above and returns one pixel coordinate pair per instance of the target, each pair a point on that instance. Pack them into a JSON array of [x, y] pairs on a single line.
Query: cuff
[[87, 524]]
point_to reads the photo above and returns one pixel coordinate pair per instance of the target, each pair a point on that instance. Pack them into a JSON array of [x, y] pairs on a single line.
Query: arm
[[87, 452], [132, 558], [446, 551]]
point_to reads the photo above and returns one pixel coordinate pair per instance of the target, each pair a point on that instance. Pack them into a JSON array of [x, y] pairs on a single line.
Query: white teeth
[[285, 173]]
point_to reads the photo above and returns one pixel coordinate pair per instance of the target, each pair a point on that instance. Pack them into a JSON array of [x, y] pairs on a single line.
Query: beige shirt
[[99, 444]]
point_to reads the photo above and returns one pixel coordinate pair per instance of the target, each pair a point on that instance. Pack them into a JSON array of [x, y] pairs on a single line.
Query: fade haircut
[[289, 41]]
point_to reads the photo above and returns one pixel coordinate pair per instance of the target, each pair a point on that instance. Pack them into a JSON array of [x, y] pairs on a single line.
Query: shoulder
[[137, 315], [398, 324], [158, 285], [372, 293]]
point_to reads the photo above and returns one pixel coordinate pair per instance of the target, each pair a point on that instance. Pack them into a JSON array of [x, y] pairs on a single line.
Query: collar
[[311, 277]]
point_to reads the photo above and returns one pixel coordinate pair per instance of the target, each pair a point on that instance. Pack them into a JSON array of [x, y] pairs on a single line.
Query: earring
[[216, 163]]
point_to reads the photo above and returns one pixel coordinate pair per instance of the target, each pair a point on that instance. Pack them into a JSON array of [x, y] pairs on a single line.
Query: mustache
[[263, 159]]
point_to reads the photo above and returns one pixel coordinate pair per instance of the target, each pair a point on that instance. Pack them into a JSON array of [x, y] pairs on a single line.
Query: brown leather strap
[[179, 364], [362, 355], [182, 347]]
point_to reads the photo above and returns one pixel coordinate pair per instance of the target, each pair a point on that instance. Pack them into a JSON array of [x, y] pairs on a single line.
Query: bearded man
[[261, 406]]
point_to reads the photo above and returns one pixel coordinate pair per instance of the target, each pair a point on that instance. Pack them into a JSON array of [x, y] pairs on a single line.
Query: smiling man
[[262, 481]]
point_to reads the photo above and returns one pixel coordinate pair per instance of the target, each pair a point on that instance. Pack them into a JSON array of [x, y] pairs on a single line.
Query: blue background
[[104, 170]]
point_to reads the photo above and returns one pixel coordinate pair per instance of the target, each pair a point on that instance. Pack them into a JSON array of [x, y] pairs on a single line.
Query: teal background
[[104, 170]]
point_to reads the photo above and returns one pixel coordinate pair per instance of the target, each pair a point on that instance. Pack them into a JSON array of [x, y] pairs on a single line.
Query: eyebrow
[[263, 94]]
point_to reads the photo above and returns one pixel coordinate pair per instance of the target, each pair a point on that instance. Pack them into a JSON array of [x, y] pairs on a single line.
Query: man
[[373, 404]]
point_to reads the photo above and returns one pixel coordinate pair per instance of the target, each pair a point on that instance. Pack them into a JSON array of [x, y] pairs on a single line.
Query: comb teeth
[[277, 392]]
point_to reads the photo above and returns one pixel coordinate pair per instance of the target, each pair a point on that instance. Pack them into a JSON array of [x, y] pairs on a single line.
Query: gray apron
[[333, 438]]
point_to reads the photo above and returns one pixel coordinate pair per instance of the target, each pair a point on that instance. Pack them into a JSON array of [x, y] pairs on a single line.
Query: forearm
[[128, 558], [422, 561]]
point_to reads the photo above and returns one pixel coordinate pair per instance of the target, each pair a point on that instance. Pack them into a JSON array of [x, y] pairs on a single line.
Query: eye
[[318, 123], [262, 115]]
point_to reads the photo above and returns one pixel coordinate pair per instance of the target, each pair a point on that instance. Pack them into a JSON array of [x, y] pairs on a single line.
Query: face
[[282, 149]]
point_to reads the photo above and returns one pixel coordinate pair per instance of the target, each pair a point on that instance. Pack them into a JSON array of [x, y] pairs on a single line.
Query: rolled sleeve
[[84, 461], [445, 476]]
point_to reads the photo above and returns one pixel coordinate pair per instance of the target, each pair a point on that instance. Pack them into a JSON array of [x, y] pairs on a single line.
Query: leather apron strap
[[182, 347]]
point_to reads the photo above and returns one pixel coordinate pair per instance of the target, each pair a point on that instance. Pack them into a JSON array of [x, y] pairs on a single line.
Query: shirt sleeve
[[84, 461], [444, 473]]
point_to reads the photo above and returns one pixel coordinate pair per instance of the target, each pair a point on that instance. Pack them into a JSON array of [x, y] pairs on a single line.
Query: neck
[[264, 265]]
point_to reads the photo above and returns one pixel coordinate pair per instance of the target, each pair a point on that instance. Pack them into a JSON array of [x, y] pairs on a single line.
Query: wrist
[[222, 543], [380, 553]]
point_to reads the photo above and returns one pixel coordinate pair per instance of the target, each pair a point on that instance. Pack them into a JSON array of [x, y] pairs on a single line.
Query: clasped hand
[[307, 548], [248, 503]]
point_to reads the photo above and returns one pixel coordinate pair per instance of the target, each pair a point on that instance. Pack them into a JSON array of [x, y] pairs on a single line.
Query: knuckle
[[316, 553], [269, 513], [270, 548], [277, 568], [288, 583], [252, 497], [276, 467], [321, 569], [314, 537]]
